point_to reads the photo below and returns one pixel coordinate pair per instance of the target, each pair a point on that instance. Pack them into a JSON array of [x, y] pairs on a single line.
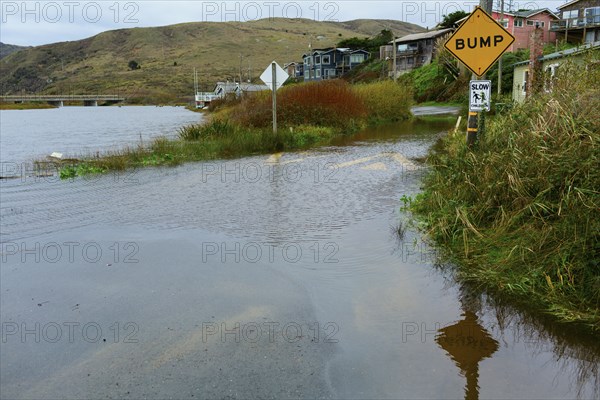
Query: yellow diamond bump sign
[[479, 42]]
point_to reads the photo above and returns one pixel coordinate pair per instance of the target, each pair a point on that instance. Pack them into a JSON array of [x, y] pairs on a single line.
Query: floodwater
[[278, 276], [31, 134]]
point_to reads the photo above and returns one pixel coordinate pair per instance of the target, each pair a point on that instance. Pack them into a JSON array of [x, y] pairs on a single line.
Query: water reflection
[[467, 343]]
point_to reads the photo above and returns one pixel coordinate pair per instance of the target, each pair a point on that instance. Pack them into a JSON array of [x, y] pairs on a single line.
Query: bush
[[214, 128], [326, 103], [386, 100]]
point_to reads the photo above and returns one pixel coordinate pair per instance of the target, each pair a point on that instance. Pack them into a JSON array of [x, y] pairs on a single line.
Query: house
[[549, 65], [331, 63], [294, 69], [415, 50], [521, 24], [579, 22], [222, 89]]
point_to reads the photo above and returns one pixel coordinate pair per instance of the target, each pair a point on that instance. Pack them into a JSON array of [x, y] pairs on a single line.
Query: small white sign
[[280, 76], [480, 95]]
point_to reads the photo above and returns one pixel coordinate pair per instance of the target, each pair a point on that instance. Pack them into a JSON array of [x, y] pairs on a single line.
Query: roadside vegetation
[[308, 114], [25, 106], [520, 212]]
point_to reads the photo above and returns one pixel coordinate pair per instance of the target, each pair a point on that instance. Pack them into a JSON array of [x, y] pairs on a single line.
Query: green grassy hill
[[6, 49], [168, 55]]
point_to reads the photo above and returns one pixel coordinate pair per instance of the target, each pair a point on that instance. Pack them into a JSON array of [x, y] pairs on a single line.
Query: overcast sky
[[29, 23]]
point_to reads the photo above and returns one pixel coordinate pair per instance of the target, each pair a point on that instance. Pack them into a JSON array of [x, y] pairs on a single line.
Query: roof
[[568, 4], [253, 87], [227, 86], [520, 14], [531, 13], [330, 49], [421, 36], [565, 53]]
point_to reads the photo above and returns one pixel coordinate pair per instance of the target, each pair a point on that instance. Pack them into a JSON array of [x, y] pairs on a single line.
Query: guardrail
[[73, 97]]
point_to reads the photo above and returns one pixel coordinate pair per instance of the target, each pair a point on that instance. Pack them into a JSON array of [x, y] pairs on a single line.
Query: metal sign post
[[274, 95], [274, 76]]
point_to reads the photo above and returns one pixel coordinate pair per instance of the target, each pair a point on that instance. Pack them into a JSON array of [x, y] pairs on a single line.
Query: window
[[307, 60], [410, 61], [326, 59], [592, 15], [356, 58], [571, 17], [306, 74], [317, 60], [504, 23], [518, 23], [530, 22], [331, 72], [318, 73]]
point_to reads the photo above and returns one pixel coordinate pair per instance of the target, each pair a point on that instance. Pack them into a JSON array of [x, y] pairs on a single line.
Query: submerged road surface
[[277, 276]]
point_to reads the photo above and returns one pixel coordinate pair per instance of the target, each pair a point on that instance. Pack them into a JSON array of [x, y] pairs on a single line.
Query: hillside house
[[294, 69], [415, 50], [522, 23], [579, 22], [550, 63], [331, 63], [222, 89]]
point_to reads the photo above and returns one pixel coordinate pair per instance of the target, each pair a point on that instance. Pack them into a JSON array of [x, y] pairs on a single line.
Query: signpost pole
[[274, 86], [473, 121]]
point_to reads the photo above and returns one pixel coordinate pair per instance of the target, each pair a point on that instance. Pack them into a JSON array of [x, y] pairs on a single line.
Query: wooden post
[[473, 120], [472, 128], [395, 55], [274, 94]]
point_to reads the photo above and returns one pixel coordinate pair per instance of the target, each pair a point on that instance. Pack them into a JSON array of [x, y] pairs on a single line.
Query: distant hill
[[6, 49], [168, 55]]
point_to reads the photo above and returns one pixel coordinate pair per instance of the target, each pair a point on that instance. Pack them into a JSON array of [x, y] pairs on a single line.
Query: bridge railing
[[74, 97]]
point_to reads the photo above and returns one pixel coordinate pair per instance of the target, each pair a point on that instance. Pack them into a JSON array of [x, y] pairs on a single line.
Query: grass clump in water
[[308, 115], [520, 212]]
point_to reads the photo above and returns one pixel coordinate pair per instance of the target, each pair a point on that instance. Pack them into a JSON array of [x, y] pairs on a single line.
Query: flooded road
[[270, 276]]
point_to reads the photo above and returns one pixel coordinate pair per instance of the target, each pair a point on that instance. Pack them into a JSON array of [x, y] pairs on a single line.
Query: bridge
[[89, 100]]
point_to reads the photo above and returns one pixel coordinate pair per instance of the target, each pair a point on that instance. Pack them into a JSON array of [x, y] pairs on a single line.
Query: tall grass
[[521, 211], [386, 100], [327, 103]]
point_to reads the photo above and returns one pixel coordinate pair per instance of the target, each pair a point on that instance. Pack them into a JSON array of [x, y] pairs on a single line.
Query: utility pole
[[473, 120], [395, 61]]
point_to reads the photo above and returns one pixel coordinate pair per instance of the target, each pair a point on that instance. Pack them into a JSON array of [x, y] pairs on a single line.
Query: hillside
[[6, 49], [168, 55]]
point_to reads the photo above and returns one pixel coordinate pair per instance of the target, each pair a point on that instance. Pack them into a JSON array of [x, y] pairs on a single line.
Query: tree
[[449, 20], [133, 65]]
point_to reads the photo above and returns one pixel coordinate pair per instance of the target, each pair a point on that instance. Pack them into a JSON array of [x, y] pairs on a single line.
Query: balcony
[[575, 23]]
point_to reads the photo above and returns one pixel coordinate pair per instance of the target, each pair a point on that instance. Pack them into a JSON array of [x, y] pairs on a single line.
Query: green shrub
[[386, 100]]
